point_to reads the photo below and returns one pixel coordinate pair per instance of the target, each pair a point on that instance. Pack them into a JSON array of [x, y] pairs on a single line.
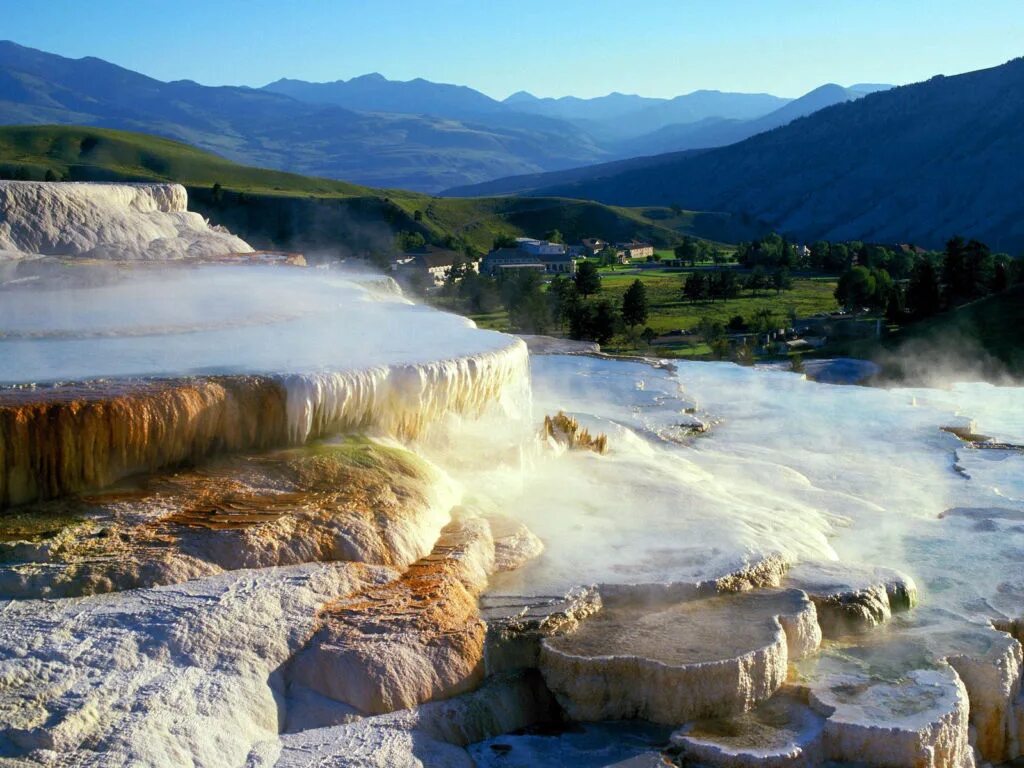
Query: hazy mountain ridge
[[917, 163], [417, 134], [270, 129]]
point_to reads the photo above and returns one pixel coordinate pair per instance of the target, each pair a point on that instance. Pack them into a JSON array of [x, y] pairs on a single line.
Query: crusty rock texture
[[431, 734], [176, 675], [353, 499], [517, 624], [851, 598], [921, 720], [675, 662], [989, 663], [124, 221], [417, 639]]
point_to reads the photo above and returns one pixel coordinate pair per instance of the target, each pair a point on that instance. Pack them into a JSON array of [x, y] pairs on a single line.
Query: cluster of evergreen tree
[[726, 284], [565, 304], [692, 251], [775, 252], [963, 272]]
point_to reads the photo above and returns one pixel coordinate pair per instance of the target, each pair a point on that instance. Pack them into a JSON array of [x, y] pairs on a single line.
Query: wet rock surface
[[783, 731], [674, 662], [850, 598], [417, 639], [353, 499]]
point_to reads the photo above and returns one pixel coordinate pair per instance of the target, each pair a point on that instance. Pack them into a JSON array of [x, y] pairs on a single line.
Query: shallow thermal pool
[[221, 319], [809, 470]]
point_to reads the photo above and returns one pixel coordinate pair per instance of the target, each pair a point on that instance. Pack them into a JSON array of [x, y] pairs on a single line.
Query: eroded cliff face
[[107, 221], [78, 437]]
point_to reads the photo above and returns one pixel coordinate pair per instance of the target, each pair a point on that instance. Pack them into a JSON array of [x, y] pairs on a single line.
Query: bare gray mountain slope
[[917, 163]]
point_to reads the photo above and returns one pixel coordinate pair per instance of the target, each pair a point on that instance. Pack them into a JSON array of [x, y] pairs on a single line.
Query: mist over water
[[710, 466], [806, 470], [222, 320], [791, 467]]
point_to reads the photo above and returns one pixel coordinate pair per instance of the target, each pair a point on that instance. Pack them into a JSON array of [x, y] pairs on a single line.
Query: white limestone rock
[[852, 598], [516, 625], [783, 732], [124, 221], [921, 720], [514, 543], [431, 734], [174, 675], [990, 665], [680, 661]]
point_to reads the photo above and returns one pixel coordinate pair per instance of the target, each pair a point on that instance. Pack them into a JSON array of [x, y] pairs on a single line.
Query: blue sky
[[549, 47]]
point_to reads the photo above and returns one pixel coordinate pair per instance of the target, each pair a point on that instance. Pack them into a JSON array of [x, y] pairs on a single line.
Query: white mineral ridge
[[707, 657], [431, 735], [921, 720], [852, 597], [320, 326], [125, 221], [179, 675]]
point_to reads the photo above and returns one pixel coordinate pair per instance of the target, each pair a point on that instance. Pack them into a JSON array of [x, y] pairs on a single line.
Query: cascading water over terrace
[[308, 520], [283, 356]]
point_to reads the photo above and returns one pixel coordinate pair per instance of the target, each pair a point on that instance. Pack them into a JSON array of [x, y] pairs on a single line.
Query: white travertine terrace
[[676, 578], [670, 663], [119, 221], [230, 358]]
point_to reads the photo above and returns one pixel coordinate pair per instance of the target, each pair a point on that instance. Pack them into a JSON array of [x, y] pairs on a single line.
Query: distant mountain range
[[917, 163], [260, 127], [416, 135]]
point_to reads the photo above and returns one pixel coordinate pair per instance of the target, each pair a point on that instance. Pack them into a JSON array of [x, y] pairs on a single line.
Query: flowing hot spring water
[[304, 519]]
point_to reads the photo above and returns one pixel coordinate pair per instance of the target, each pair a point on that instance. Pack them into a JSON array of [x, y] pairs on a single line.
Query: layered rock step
[[917, 719], [433, 733], [783, 732], [73, 438], [417, 639], [920, 720], [135, 369], [350, 499], [518, 624], [851, 598], [953, 683], [672, 662]]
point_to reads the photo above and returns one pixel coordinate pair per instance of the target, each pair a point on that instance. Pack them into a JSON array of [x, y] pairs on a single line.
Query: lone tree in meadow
[[588, 281], [634, 304], [688, 251]]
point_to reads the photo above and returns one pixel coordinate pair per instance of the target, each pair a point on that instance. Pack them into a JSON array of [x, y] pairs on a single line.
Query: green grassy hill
[[273, 209], [99, 154]]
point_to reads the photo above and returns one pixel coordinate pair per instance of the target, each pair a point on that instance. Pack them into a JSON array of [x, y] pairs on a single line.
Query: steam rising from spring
[[225, 359]]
